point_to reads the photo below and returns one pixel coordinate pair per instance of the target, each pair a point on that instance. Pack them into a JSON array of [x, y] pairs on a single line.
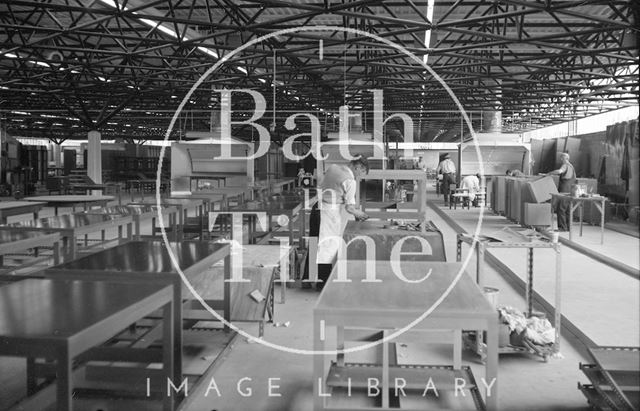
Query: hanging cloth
[[625, 169], [602, 173]]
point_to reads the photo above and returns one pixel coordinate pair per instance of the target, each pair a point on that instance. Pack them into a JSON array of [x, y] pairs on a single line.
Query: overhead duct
[[492, 117]]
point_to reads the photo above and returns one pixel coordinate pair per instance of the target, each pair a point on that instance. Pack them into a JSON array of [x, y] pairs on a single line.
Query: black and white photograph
[[309, 205]]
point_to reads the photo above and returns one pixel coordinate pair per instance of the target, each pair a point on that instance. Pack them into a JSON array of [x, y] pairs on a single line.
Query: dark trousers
[[563, 206], [324, 270], [447, 180]]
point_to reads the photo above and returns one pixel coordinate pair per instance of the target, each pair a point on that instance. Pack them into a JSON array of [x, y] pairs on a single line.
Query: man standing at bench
[[448, 171], [567, 178]]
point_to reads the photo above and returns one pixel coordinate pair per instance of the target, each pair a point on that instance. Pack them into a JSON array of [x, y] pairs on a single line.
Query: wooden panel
[[537, 214], [536, 155], [542, 189], [548, 158]]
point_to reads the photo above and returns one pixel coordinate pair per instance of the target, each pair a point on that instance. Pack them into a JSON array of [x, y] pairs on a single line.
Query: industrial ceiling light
[[427, 33], [55, 57], [167, 30]]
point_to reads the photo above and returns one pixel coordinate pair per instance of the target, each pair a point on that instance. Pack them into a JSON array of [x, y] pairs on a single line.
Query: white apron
[[333, 220]]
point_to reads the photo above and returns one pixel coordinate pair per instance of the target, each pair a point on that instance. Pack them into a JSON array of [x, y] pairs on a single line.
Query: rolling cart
[[512, 239]]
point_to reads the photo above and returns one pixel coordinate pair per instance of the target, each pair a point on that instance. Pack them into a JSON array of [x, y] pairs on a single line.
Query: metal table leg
[[529, 281]]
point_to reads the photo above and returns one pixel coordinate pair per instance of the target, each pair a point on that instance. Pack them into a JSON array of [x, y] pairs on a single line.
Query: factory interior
[[292, 205]]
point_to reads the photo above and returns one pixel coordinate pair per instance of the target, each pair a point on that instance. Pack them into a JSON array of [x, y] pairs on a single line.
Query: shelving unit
[[511, 239], [614, 378]]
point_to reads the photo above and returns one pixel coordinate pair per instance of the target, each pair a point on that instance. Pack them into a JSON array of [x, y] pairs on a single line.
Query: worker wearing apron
[[567, 178], [338, 203]]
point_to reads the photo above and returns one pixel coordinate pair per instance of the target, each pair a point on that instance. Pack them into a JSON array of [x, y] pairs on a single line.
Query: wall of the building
[[589, 151]]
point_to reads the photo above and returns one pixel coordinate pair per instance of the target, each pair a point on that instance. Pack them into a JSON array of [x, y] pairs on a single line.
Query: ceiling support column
[[94, 157]]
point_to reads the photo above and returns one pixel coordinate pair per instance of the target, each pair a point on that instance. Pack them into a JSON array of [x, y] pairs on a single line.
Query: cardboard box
[[537, 214]]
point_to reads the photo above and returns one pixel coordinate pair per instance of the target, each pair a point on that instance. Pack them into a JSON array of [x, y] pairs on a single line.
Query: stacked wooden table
[[14, 242], [72, 226], [13, 208], [72, 201]]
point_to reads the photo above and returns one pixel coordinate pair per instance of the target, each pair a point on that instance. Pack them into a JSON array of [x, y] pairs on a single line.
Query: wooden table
[[13, 242], [288, 207], [199, 224], [141, 262], [11, 208], [42, 318], [385, 236], [139, 185], [283, 184], [71, 226], [209, 199], [510, 239], [240, 194], [72, 200], [259, 266], [184, 206], [391, 304], [218, 178], [142, 213], [575, 202], [84, 187]]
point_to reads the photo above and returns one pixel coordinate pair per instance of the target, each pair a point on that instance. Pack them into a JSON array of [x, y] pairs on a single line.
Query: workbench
[[139, 185], [289, 209], [72, 200], [71, 226], [141, 262], [385, 236], [390, 305], [62, 319], [14, 242], [12, 208], [237, 193], [143, 213], [184, 206], [85, 187], [511, 239], [276, 184], [578, 203], [216, 177]]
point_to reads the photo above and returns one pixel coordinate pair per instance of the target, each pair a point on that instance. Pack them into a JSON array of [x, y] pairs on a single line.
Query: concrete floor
[[599, 300], [526, 383], [595, 299]]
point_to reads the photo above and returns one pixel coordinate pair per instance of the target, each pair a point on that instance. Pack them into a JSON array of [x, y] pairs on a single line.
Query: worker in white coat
[[472, 185], [337, 203]]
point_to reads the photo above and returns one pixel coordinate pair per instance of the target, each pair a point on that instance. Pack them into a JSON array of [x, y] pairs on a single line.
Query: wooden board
[[540, 190], [259, 263]]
